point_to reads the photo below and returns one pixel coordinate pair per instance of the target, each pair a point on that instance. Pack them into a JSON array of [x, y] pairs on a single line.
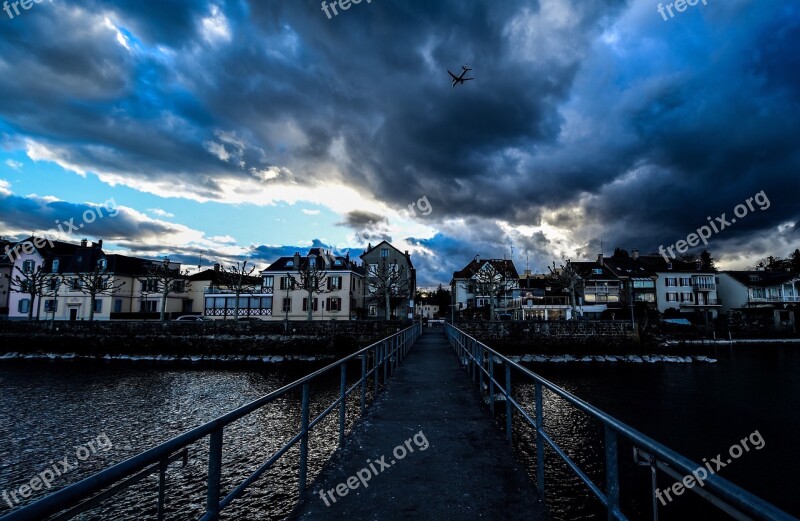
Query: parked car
[[191, 318]]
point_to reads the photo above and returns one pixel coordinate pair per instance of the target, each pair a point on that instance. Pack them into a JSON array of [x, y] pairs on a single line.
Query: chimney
[[635, 254], [100, 243], [216, 266], [600, 259], [699, 265], [296, 259], [84, 242]]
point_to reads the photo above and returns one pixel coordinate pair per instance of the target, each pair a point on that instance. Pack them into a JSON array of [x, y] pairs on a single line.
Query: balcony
[[709, 302], [220, 291], [704, 286], [775, 300]]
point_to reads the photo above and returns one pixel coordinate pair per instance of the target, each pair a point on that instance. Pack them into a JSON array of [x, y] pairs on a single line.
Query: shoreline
[[163, 359], [734, 341]]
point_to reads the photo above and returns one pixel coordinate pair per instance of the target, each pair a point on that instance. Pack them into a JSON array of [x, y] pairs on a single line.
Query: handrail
[[386, 355], [732, 499]]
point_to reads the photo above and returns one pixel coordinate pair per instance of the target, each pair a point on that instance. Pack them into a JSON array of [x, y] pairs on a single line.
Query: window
[[384, 253], [102, 264], [178, 286], [312, 262], [287, 283], [334, 304], [646, 283], [118, 306], [54, 283], [50, 306], [373, 269], [98, 306], [334, 283], [314, 304], [28, 266], [686, 281], [687, 297], [597, 271], [148, 306], [287, 304], [373, 310], [54, 268], [337, 262], [394, 269], [671, 282], [24, 305], [645, 297], [76, 284], [149, 286], [672, 297], [268, 284]]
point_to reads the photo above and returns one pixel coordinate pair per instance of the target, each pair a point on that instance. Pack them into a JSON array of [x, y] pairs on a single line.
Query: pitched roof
[[328, 262], [763, 278], [501, 265], [371, 248], [628, 267], [658, 263]]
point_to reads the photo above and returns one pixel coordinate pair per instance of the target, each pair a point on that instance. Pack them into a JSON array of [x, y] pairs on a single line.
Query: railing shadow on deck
[[383, 357], [480, 361]]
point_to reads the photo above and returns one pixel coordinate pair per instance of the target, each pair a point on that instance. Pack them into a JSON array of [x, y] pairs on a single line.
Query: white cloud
[[215, 27], [16, 165], [159, 212], [310, 212]]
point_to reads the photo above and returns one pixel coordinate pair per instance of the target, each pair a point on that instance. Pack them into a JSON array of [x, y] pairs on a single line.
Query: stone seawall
[[575, 338], [170, 338]]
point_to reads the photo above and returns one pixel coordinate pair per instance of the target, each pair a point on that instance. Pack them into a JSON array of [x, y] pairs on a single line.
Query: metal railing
[[382, 357], [481, 361]]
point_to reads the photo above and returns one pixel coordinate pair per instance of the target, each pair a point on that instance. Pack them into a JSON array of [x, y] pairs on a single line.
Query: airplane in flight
[[460, 79]]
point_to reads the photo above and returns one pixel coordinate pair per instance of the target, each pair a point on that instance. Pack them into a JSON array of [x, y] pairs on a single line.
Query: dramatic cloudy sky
[[232, 130]]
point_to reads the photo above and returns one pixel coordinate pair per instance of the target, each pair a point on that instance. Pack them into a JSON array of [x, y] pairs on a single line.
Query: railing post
[[375, 368], [343, 403], [509, 418], [363, 382], [385, 359], [480, 366], [539, 439], [162, 488], [612, 474], [491, 383], [304, 439], [214, 473]]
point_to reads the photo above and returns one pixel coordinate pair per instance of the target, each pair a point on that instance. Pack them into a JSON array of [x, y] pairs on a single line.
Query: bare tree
[[238, 280], [491, 282], [311, 279], [164, 280], [565, 276], [52, 287], [97, 283], [387, 283], [31, 281]]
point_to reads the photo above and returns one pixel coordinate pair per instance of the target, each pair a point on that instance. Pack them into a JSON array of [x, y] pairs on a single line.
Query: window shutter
[[305, 304]]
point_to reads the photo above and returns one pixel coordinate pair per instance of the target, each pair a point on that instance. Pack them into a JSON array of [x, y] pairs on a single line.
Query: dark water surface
[[700, 410], [47, 410]]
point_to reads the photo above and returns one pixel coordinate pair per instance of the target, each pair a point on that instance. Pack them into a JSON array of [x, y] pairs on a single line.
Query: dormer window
[[28, 266], [54, 268], [102, 264], [290, 264], [597, 271]]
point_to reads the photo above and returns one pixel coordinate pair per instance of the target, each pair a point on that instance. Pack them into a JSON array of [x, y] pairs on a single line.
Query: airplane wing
[[467, 79], [452, 75]]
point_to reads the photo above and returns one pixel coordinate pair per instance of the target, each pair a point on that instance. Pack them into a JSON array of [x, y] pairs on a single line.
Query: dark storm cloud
[[358, 219], [648, 126]]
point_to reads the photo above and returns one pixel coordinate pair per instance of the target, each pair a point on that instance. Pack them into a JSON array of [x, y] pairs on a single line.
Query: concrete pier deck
[[461, 466]]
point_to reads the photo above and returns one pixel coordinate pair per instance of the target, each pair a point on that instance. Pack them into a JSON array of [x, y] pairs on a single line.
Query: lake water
[[700, 410]]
